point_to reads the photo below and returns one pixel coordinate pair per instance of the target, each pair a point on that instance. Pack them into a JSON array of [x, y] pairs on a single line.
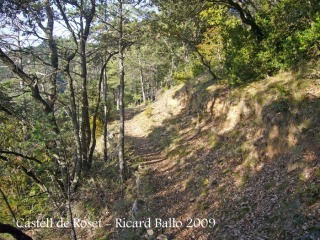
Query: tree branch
[[4, 109], [204, 62], [8, 205], [20, 155], [13, 231], [247, 18], [28, 173], [31, 81]]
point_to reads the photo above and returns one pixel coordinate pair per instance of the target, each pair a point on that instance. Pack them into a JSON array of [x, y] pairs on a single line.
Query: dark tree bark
[[2, 151], [80, 119], [102, 83], [204, 62], [13, 231], [78, 160], [85, 24], [247, 18]]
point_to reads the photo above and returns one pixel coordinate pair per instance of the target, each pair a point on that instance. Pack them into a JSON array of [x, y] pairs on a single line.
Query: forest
[[159, 119]]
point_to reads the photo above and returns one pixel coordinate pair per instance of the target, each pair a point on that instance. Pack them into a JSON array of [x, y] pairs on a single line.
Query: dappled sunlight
[[131, 113], [307, 173], [233, 118], [310, 156], [259, 167], [164, 108], [292, 136], [238, 159], [274, 133]]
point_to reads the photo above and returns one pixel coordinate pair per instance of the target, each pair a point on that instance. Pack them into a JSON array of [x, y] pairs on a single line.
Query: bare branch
[[20, 155], [8, 205]]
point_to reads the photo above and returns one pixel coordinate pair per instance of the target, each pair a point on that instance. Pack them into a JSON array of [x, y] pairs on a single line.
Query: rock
[[192, 199], [162, 237], [150, 232]]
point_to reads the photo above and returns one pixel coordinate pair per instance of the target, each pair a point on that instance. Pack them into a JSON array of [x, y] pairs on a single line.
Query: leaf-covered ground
[[247, 157]]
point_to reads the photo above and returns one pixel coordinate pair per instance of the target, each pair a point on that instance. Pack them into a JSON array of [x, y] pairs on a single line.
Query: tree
[[122, 162], [54, 58]]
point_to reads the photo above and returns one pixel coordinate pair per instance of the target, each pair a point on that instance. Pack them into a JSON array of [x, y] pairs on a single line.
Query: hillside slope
[[247, 157]]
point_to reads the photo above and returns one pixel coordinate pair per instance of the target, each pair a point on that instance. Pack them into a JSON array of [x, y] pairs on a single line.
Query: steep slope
[[247, 157]]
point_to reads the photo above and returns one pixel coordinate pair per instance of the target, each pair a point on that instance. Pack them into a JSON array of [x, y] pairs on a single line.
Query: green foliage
[[182, 76], [187, 37], [282, 90], [309, 38], [25, 198], [197, 69], [240, 49], [291, 34], [149, 112], [99, 126]]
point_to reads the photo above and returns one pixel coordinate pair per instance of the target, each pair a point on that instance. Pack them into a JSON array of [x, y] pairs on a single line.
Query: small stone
[[162, 237], [192, 199], [150, 232]]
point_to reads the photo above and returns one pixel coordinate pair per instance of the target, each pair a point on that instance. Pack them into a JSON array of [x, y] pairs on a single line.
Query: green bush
[[292, 34], [291, 37], [241, 51]]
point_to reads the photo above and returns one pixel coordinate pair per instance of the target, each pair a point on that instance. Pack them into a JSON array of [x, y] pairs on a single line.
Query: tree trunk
[[85, 118], [86, 18], [15, 232], [68, 205], [122, 163], [247, 18], [206, 64], [76, 132], [142, 80], [32, 82], [52, 91], [95, 115], [105, 114]]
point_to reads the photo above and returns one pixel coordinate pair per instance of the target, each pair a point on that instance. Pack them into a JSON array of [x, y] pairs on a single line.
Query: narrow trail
[[163, 184], [227, 168], [144, 147], [168, 198]]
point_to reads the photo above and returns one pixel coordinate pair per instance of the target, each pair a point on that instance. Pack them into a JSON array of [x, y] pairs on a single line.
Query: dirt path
[[164, 191]]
